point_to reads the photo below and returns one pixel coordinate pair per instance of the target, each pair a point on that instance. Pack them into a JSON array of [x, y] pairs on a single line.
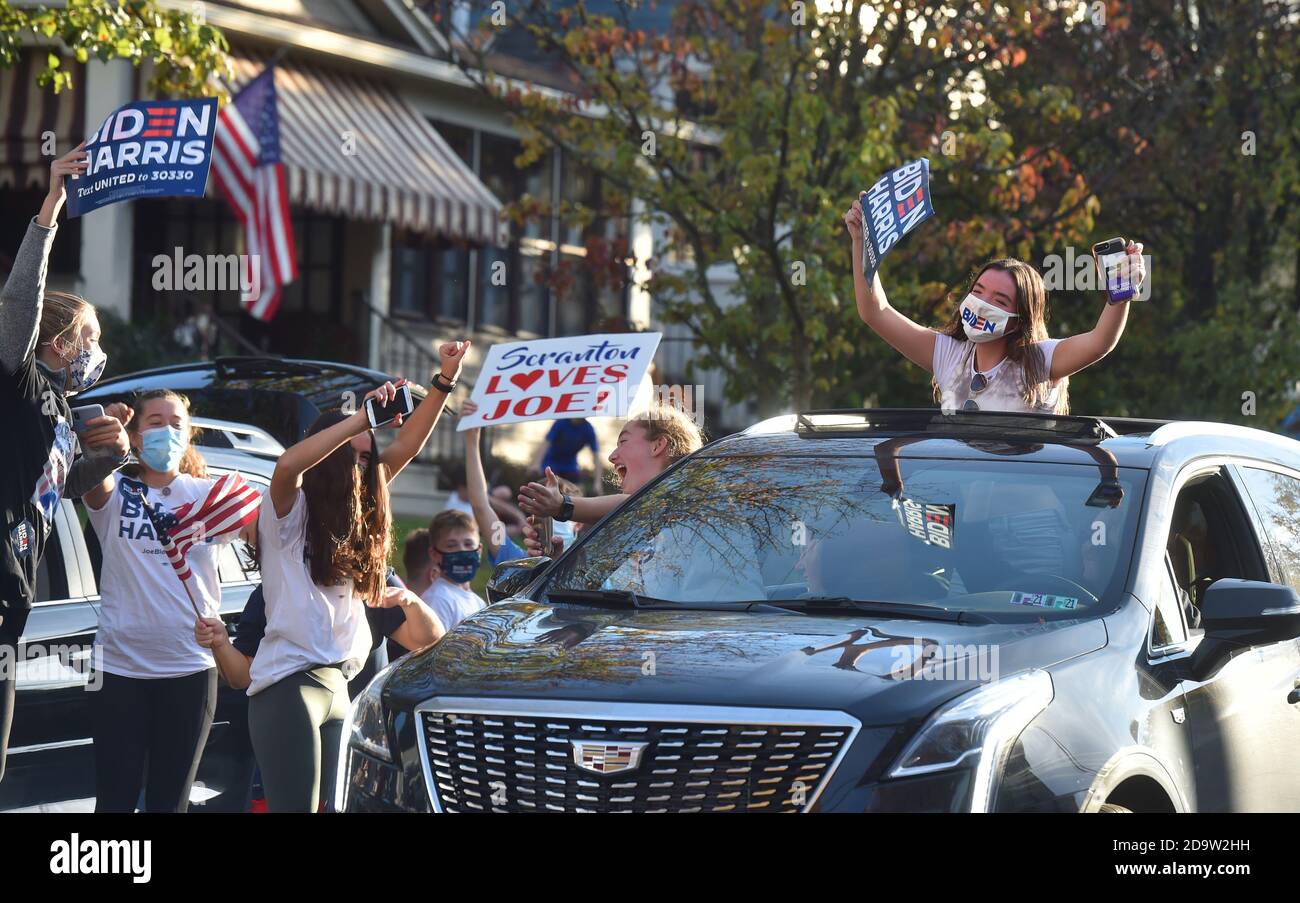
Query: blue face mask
[[460, 567], [162, 448]]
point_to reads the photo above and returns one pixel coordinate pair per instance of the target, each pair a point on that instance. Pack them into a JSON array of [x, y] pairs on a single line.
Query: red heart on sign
[[524, 380]]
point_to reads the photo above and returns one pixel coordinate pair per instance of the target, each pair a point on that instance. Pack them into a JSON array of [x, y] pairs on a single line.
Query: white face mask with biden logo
[[982, 321]]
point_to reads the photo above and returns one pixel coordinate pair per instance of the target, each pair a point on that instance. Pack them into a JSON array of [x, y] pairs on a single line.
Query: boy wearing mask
[[455, 551]]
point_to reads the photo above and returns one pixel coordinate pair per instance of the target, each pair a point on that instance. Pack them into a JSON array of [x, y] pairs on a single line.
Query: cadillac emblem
[[601, 757]]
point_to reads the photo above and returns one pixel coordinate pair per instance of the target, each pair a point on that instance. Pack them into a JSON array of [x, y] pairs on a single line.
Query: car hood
[[861, 664]]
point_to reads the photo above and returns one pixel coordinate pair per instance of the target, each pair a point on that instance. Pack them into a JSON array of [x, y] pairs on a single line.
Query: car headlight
[[977, 731], [367, 727]]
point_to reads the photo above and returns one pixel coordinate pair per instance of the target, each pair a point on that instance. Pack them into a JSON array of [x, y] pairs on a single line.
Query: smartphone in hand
[[545, 530], [83, 415], [384, 414], [1113, 261]]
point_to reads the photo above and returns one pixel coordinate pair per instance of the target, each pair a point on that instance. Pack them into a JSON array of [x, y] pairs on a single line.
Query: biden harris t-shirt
[[146, 621]]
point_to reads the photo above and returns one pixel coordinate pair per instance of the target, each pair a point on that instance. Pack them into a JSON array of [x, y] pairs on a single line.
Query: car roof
[[982, 435], [304, 376], [228, 459]]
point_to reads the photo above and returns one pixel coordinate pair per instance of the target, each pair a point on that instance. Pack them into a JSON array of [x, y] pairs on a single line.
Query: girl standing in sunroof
[[994, 353]]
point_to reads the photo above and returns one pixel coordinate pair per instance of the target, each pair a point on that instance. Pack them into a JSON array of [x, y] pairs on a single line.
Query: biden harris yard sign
[[551, 379], [150, 148], [894, 206]]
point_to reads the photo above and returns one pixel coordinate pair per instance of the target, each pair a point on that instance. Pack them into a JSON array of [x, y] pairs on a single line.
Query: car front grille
[[521, 756]]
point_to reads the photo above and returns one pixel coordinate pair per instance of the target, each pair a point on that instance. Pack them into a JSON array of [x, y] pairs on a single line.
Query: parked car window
[[235, 564], [1210, 538], [1007, 537], [1277, 499], [1169, 628]]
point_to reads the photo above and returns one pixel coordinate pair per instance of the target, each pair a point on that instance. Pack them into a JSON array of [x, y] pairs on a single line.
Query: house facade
[[397, 170]]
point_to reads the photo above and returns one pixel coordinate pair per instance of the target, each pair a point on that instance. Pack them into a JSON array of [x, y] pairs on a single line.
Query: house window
[[17, 208], [511, 287], [430, 277], [190, 226]]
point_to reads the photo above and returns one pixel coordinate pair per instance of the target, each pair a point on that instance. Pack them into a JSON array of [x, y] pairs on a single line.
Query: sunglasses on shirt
[[978, 383]]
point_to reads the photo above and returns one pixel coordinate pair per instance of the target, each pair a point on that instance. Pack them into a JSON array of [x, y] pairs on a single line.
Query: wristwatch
[[566, 510], [440, 383]]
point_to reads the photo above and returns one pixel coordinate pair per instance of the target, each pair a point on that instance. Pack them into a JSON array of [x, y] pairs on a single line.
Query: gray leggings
[[296, 726]]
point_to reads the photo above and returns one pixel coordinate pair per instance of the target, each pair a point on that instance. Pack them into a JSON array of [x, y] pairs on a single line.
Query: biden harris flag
[[150, 148], [894, 206]]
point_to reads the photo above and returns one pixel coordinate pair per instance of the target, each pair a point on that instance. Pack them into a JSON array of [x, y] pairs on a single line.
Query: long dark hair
[[1031, 312], [349, 524]]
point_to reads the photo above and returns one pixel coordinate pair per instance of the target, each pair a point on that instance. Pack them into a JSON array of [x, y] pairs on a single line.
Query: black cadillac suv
[[874, 611]]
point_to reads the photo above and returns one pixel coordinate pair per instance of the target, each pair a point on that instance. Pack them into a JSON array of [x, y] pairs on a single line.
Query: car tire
[[1114, 807]]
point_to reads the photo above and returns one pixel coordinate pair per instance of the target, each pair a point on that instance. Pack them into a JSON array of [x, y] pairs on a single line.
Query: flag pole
[[189, 593], [164, 538], [153, 518]]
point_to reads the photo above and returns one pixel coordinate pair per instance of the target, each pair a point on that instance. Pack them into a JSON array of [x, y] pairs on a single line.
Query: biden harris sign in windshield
[[894, 206], [151, 148]]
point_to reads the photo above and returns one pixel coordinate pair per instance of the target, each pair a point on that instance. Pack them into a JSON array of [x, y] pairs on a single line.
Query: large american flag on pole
[[230, 504], [247, 169]]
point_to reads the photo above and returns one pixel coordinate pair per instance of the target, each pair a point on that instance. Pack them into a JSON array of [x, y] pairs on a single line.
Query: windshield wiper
[[890, 609], [626, 598]]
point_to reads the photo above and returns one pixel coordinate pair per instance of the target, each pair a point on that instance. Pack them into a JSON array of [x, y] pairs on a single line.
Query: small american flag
[[230, 504], [248, 171]]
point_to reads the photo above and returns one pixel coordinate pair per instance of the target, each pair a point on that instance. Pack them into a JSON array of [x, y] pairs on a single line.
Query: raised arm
[[415, 432], [300, 458], [24, 290], [909, 338], [490, 526], [1078, 351]]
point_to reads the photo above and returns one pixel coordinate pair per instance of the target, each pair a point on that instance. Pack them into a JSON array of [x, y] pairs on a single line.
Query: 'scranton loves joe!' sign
[[551, 379]]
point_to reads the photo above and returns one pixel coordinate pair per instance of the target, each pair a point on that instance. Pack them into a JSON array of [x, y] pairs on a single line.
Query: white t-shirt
[[456, 503], [954, 366], [451, 603], [307, 625], [146, 622]]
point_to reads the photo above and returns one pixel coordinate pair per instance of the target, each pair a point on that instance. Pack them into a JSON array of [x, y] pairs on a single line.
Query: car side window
[[1169, 628], [236, 565], [1277, 499]]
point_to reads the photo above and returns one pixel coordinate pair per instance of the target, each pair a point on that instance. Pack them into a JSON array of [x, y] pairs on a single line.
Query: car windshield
[[990, 536]]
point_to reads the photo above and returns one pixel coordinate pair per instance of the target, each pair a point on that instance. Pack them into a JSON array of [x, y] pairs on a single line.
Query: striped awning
[[352, 147], [29, 114]]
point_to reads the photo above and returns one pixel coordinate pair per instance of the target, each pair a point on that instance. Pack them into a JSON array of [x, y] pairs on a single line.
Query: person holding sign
[[994, 353], [49, 349]]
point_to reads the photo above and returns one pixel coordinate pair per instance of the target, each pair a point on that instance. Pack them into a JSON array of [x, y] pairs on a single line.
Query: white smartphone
[[382, 415]]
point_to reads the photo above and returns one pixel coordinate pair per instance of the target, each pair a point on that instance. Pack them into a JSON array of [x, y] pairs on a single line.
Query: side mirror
[[1238, 615], [509, 577]]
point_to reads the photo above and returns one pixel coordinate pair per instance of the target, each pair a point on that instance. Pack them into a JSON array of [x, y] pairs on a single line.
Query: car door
[[1244, 732], [49, 746], [1274, 491]]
